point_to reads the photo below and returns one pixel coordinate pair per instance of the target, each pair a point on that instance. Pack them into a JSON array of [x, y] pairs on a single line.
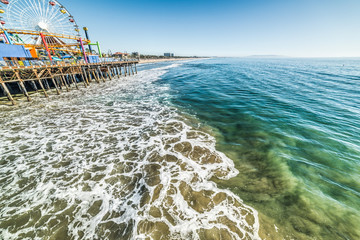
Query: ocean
[[224, 148]]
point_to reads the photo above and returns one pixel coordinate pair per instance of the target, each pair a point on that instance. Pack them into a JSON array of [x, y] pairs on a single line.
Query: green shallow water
[[114, 161], [292, 128], [209, 149]]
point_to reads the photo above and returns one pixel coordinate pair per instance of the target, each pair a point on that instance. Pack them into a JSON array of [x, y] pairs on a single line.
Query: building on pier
[[121, 55], [13, 51]]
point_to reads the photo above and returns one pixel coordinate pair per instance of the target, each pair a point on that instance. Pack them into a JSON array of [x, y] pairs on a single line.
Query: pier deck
[[60, 77]]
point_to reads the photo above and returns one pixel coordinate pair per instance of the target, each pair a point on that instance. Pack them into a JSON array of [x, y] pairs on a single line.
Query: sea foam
[[116, 161]]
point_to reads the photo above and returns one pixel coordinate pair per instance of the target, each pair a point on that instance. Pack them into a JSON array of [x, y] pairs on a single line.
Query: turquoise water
[[292, 126], [205, 149]]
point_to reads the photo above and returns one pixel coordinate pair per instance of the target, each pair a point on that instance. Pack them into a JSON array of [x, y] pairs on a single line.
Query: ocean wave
[[115, 162]]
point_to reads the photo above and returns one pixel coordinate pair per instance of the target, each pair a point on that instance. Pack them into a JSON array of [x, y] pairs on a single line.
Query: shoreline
[[143, 61]]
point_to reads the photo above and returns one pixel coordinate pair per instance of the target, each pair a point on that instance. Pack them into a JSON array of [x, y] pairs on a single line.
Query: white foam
[[75, 148]]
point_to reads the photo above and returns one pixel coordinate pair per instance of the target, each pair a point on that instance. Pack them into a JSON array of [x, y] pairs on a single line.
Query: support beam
[[40, 83], [98, 47], [7, 36], [109, 72], [120, 70], [65, 83], [83, 50], [83, 80], [96, 75], [56, 86], [62, 76], [87, 37], [46, 46], [74, 81], [34, 86], [22, 86], [7, 92], [84, 75], [54, 82], [64, 80], [46, 84], [100, 73], [89, 75]]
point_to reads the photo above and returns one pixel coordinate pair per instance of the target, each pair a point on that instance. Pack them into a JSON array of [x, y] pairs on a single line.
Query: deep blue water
[[292, 128]]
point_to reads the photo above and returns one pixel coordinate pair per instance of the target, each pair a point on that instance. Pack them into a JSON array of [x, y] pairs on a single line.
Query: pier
[[46, 54], [59, 77]]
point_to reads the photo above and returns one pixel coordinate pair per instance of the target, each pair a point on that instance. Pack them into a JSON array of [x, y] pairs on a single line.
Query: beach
[[165, 60], [179, 120], [187, 150]]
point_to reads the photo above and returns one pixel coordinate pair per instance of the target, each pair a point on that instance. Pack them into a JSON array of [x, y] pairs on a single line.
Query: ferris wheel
[[38, 16]]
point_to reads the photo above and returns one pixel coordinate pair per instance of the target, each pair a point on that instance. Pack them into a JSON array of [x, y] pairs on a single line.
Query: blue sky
[[298, 28]]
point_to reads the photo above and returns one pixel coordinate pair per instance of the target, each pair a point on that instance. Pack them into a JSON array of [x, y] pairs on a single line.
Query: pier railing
[[26, 62]]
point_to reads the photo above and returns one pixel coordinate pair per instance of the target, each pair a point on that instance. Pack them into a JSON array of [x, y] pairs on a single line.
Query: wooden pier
[[60, 77]]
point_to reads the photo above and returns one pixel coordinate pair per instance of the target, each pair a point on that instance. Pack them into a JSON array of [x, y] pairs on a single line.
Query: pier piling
[[31, 79]]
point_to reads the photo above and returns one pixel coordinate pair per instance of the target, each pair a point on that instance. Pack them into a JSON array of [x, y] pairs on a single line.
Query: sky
[[231, 28]]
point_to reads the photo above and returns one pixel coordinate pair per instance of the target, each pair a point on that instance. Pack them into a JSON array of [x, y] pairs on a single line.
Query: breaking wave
[[114, 162]]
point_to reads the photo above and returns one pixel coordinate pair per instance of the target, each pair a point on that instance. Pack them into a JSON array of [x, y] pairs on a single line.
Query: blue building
[[168, 54], [17, 51]]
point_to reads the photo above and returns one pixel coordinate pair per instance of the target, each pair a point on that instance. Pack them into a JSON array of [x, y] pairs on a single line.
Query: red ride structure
[[46, 28]]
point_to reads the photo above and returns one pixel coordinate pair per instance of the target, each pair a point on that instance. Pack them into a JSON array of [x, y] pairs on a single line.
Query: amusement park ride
[[45, 28], [34, 30]]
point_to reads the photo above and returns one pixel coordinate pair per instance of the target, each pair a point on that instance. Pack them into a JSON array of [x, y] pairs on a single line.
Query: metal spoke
[[25, 16]]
